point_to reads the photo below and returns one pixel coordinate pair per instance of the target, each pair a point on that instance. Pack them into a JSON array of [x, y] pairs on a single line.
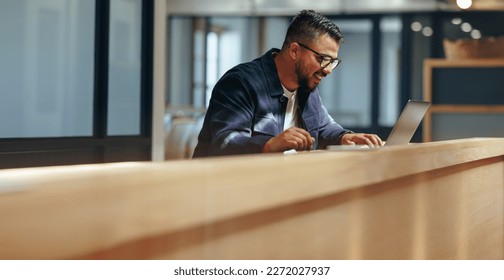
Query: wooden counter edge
[[75, 211]]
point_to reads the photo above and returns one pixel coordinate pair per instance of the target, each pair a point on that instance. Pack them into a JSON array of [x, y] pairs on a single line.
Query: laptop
[[404, 128]]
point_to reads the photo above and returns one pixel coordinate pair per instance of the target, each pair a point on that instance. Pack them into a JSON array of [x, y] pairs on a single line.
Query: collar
[[288, 93], [271, 73]]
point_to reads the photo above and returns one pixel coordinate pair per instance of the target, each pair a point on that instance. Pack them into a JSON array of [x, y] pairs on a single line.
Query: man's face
[[308, 70]]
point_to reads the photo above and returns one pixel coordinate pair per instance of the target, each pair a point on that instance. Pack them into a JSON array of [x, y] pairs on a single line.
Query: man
[[272, 103]]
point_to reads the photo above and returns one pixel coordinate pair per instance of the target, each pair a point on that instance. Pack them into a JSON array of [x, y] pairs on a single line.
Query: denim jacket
[[247, 108]]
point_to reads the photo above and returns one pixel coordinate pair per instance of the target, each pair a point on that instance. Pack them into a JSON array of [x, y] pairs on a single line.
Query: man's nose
[[327, 70]]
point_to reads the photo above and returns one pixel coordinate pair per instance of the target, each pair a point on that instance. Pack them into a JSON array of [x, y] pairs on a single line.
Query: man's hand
[[292, 138], [372, 140]]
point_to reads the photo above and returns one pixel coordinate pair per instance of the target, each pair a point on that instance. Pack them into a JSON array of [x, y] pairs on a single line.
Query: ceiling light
[[464, 4], [456, 21], [475, 34], [466, 27], [416, 26], [427, 31]]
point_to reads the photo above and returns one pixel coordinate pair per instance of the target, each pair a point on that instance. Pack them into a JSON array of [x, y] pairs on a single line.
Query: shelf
[[467, 109], [489, 111], [447, 63]]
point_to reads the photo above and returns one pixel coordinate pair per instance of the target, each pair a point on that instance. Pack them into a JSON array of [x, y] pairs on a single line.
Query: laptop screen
[[408, 122], [404, 128]]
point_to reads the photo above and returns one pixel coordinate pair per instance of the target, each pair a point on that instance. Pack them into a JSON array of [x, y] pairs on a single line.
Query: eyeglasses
[[325, 60]]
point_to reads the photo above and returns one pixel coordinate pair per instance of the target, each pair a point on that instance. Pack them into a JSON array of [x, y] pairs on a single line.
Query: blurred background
[[78, 77]]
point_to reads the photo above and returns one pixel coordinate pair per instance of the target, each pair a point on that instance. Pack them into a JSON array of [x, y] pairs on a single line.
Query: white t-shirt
[[291, 109]]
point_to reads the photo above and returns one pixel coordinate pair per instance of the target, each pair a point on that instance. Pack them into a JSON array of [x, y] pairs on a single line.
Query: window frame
[[99, 148]]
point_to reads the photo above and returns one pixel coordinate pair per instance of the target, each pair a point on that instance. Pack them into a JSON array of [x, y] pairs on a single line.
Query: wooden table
[[439, 200]]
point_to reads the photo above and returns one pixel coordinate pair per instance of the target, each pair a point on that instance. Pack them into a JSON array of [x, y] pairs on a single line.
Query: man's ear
[[294, 50]]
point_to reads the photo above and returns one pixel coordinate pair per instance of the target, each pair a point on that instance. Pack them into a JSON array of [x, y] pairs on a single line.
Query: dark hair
[[308, 26]]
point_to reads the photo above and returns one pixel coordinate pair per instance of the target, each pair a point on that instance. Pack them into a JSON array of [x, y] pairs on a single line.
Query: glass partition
[[347, 91], [124, 90], [46, 68], [390, 30]]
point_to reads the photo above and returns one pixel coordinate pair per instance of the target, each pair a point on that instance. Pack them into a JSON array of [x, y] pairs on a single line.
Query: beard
[[304, 79]]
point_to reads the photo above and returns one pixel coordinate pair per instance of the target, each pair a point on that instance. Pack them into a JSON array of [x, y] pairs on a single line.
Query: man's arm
[[231, 118], [293, 138]]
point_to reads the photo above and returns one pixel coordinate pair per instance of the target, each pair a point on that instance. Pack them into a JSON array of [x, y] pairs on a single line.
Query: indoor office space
[[102, 103]]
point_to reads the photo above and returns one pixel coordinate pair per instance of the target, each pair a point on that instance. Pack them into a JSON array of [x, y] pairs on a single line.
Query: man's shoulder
[[258, 75], [247, 71], [255, 67]]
